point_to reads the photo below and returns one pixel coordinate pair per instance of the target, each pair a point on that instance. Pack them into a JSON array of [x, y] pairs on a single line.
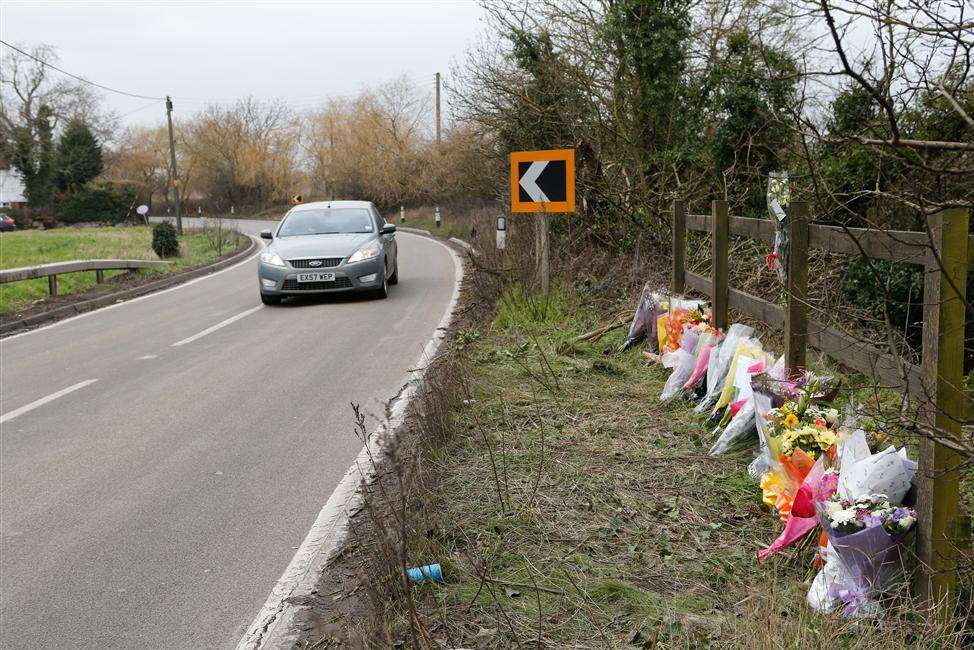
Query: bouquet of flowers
[[695, 337], [678, 313], [864, 537], [865, 523], [719, 363], [644, 318], [844, 516], [797, 433], [738, 422], [817, 486]]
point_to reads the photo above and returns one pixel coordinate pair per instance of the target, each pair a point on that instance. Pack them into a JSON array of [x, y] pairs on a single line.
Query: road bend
[[162, 459]]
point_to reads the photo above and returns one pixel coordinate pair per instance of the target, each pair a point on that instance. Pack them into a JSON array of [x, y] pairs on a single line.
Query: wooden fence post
[[796, 289], [937, 479], [52, 285], [720, 229], [679, 246]]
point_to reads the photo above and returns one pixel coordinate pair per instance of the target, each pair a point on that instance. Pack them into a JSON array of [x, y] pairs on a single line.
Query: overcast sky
[[219, 51]]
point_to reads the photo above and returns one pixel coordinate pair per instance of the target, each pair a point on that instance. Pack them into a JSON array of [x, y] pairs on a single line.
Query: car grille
[[291, 284], [326, 262]]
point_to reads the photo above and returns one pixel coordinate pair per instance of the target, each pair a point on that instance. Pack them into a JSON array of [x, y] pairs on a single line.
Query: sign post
[[543, 182]]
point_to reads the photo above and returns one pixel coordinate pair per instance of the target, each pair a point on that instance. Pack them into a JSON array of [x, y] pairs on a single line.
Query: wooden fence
[[945, 252]]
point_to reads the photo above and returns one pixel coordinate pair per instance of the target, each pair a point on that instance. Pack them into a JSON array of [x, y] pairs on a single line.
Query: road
[[156, 505]]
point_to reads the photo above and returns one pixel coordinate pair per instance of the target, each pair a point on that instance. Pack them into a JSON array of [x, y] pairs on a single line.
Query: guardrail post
[[679, 222], [720, 229], [796, 289], [938, 477], [99, 276], [52, 285]]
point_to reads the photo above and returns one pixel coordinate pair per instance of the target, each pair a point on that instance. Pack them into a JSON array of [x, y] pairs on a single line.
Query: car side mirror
[[388, 229], [266, 234]]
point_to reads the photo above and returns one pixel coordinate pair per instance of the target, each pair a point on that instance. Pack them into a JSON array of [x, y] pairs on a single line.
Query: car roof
[[319, 205]]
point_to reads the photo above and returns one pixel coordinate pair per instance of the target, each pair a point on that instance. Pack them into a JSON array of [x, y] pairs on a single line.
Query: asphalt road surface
[[154, 500]]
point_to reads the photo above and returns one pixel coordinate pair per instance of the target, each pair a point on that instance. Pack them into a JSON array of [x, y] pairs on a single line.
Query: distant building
[[11, 189]]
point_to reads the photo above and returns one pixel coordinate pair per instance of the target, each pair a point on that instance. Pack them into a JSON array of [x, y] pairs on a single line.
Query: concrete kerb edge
[[274, 628], [415, 231], [15, 327]]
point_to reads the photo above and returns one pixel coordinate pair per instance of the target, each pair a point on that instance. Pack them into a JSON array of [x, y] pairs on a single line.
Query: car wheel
[[394, 278], [270, 300], [383, 291]]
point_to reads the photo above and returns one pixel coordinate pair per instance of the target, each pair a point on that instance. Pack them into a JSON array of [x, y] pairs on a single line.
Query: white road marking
[[223, 323], [147, 296], [44, 400], [330, 528], [148, 356]]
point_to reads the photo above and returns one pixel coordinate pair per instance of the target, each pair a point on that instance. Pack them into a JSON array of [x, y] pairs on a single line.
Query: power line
[[82, 79]]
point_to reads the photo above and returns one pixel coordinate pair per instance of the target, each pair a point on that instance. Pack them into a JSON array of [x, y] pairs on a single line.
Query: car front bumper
[[283, 281]]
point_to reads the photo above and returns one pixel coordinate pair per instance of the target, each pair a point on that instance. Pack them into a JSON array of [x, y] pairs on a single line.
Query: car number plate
[[316, 277]]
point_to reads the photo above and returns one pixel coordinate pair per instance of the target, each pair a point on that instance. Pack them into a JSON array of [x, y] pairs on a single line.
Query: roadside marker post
[[543, 182], [436, 217], [501, 233], [402, 214]]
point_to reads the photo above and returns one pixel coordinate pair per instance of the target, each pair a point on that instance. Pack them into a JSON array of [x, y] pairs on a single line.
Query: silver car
[[329, 246]]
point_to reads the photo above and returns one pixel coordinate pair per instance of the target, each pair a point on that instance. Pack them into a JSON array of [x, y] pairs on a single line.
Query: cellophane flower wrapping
[[819, 484], [719, 364], [706, 342], [681, 361], [860, 565], [740, 426], [797, 432], [644, 318], [678, 312], [768, 390]]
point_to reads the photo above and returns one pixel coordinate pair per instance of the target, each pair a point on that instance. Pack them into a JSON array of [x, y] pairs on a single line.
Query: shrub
[[164, 241], [96, 202]]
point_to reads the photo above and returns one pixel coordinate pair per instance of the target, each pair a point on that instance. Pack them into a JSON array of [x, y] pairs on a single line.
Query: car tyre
[[270, 300], [394, 278], [382, 292]]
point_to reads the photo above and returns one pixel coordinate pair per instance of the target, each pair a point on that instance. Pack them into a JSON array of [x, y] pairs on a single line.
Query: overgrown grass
[[451, 225], [574, 510], [29, 247]]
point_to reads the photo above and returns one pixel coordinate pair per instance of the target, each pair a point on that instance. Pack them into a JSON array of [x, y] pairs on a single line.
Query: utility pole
[[172, 173], [437, 109]]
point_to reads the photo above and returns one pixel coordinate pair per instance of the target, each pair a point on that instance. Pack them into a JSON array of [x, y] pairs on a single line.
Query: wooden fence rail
[[945, 252], [51, 271]]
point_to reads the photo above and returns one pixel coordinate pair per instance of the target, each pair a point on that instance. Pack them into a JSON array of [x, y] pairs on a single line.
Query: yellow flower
[[791, 420]]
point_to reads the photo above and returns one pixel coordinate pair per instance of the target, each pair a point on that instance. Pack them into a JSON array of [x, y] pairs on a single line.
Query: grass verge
[[30, 247], [571, 509]]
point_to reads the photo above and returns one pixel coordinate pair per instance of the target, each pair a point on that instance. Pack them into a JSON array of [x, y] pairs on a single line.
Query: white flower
[[832, 507], [843, 516], [906, 522]]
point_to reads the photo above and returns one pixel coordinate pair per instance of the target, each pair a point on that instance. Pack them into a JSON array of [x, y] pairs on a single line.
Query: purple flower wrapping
[[870, 557]]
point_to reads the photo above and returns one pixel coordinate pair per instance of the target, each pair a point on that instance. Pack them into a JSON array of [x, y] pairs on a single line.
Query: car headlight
[[272, 258], [367, 252]]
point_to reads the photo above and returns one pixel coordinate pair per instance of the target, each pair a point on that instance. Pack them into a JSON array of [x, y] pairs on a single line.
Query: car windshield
[[330, 221]]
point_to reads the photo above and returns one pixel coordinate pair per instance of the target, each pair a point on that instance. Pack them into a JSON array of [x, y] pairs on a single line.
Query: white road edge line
[[330, 529], [222, 323], [44, 400], [147, 296]]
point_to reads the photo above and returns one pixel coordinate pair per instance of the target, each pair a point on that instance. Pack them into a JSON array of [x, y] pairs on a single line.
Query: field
[[30, 247]]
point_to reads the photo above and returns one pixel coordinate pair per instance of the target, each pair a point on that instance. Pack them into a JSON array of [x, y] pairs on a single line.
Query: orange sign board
[[543, 181]]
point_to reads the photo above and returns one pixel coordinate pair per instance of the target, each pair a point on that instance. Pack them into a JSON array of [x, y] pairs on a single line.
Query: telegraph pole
[[172, 174], [437, 109]]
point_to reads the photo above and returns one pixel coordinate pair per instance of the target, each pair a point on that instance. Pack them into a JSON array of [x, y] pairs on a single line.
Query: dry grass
[[571, 510]]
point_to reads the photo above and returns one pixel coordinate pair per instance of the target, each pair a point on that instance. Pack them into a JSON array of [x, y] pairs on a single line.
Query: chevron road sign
[[543, 181]]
